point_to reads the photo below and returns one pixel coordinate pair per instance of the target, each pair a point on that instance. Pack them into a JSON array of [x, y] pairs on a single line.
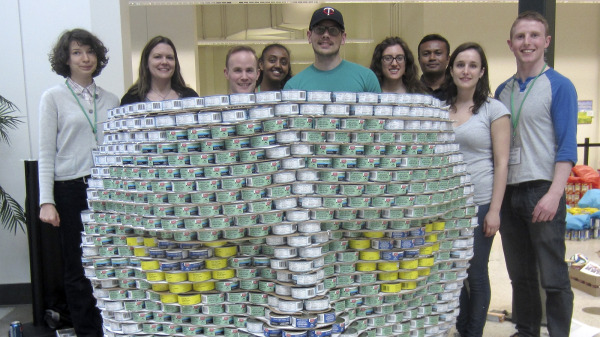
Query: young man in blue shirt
[[543, 105]]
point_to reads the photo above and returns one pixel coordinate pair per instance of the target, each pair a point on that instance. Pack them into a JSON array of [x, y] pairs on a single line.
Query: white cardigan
[[66, 138]]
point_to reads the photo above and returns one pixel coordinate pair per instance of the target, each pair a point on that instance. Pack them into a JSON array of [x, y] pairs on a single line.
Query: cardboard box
[[585, 282]]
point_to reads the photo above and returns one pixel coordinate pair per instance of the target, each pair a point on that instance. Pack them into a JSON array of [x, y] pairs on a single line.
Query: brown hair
[[482, 89], [59, 56], [237, 49], [410, 79], [142, 86]]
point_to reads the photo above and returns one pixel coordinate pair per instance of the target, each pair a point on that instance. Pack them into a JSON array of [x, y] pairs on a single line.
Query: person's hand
[[49, 215], [546, 208], [491, 224]]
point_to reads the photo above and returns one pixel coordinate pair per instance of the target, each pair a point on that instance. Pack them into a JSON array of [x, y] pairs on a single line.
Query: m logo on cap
[[328, 11]]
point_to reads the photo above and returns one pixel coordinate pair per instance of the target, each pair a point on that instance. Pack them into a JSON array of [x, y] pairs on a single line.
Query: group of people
[[519, 146]]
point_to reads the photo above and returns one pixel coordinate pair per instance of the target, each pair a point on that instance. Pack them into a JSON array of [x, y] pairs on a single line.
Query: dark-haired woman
[[159, 76], [275, 68], [70, 116], [394, 65], [482, 128]]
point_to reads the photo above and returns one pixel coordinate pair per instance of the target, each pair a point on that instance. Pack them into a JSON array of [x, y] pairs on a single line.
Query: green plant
[[11, 213]]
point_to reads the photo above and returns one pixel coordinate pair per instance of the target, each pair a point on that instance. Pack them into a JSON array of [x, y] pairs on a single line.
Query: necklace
[[163, 97]]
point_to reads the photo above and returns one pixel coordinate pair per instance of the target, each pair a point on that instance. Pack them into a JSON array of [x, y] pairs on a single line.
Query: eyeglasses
[[332, 30], [389, 58]]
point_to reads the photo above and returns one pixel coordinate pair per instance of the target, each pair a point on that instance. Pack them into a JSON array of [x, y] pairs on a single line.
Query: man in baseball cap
[[327, 33], [327, 13]]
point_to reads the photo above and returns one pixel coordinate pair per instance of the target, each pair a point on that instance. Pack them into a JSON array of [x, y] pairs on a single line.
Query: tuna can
[[202, 159], [351, 149], [268, 96], [262, 141], [318, 96], [218, 132], [340, 137], [293, 95], [248, 128], [301, 149], [198, 133], [212, 145], [352, 124], [313, 136], [237, 143], [338, 163], [319, 162], [357, 176], [327, 123], [301, 122], [286, 109], [327, 149], [362, 137]]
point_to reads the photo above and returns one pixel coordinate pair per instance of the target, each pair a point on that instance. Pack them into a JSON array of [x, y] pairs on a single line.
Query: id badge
[[515, 156]]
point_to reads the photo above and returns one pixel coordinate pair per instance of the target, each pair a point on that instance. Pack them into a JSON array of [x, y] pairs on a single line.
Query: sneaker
[[52, 319]]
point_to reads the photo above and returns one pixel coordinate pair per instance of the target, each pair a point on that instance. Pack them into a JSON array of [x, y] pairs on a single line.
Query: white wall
[[28, 30]]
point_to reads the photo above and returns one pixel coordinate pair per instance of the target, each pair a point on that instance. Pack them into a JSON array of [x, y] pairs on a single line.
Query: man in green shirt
[[330, 72]]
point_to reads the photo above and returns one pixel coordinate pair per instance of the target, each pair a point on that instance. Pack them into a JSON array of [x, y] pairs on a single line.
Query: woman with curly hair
[[71, 115], [394, 65]]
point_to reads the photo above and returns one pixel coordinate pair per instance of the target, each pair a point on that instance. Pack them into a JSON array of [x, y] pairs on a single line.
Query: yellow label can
[[155, 276], [204, 286], [226, 251], [223, 274], [199, 276], [178, 288], [366, 266], [176, 276], [388, 276], [168, 298], [387, 266], [216, 263], [369, 255], [391, 287], [190, 299]]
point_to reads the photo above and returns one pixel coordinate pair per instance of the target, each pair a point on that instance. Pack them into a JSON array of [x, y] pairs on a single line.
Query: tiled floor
[[586, 314]]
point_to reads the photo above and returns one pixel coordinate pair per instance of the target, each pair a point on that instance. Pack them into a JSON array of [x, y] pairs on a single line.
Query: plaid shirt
[[87, 93]]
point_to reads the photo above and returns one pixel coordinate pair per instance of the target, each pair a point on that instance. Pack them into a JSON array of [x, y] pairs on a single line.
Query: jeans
[[475, 294], [70, 198], [534, 254]]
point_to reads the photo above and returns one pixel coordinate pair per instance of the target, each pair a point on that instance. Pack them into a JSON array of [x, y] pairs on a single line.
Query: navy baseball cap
[[327, 13]]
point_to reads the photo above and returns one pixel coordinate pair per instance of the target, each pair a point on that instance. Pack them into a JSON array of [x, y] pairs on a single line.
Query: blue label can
[[16, 329]]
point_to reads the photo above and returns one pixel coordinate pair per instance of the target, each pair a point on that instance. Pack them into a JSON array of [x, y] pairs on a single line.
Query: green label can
[[374, 124], [363, 137], [274, 124], [252, 155], [313, 136], [352, 149]]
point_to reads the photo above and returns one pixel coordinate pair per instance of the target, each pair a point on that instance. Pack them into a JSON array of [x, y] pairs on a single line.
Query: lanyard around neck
[[93, 125], [515, 119]]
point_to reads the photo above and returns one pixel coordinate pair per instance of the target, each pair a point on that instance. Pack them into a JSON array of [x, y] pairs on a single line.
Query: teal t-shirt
[[347, 76]]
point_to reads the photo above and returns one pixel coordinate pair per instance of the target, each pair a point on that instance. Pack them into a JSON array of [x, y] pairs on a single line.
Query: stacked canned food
[[286, 213]]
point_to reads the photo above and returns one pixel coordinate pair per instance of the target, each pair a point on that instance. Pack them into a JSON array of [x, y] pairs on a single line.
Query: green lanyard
[[515, 120], [93, 125]]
